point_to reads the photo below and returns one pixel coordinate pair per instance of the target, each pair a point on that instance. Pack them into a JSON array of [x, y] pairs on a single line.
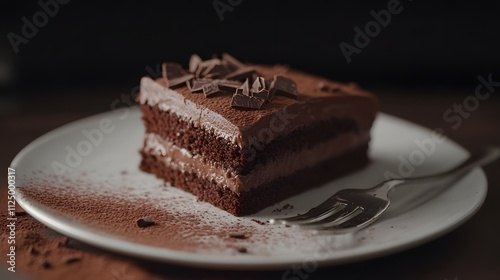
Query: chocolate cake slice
[[244, 137]]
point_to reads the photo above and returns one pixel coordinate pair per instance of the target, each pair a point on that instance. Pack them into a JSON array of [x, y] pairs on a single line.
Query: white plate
[[414, 218]]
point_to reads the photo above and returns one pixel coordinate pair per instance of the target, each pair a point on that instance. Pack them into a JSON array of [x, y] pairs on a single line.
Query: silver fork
[[353, 209]]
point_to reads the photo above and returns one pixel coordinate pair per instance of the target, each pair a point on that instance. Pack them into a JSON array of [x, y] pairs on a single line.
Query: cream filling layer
[[169, 100], [182, 160]]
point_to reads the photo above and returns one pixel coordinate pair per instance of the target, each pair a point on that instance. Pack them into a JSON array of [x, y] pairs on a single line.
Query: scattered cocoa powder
[[284, 207], [181, 223], [260, 222]]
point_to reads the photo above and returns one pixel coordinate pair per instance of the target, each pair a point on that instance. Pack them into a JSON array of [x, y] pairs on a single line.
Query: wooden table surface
[[470, 252]]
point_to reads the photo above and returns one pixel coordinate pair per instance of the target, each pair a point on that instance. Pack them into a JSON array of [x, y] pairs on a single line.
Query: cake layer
[[284, 164], [199, 141], [255, 199]]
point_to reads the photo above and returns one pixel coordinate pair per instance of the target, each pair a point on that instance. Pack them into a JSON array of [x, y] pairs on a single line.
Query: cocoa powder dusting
[[175, 221]]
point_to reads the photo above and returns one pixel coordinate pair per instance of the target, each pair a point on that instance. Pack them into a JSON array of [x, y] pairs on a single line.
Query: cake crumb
[[284, 207], [145, 222], [71, 259], [242, 250], [20, 213], [237, 235], [45, 264], [33, 251], [260, 222]]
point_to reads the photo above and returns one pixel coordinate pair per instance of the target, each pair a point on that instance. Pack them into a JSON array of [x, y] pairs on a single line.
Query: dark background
[[422, 64], [96, 46]]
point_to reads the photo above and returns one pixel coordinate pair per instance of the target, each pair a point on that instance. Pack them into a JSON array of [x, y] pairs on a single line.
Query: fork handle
[[475, 160]]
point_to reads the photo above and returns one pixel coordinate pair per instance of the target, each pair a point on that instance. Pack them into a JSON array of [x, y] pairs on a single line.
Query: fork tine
[[349, 212], [357, 222], [327, 213], [325, 209]]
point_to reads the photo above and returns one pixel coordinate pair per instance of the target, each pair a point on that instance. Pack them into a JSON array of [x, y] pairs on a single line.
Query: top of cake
[[310, 99]]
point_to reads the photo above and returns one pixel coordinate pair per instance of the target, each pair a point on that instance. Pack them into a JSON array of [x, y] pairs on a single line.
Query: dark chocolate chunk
[[263, 94], [244, 88], [179, 80], [228, 86], [198, 84], [237, 235], [173, 70], [241, 74], [145, 222], [211, 88], [246, 101], [259, 89], [194, 62], [284, 87], [205, 66], [268, 83], [216, 71], [258, 84], [164, 73]]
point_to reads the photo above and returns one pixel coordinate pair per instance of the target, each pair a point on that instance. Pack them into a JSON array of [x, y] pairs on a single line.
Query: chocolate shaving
[[180, 80], [284, 87], [174, 74], [246, 101], [228, 75], [241, 74], [328, 88], [145, 222], [259, 89], [164, 73], [211, 88], [194, 62], [228, 86], [199, 83], [259, 84], [244, 88], [233, 63], [217, 71], [205, 66], [173, 70]]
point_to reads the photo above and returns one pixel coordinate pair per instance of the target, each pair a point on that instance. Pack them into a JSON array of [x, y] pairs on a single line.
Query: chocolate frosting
[[180, 159], [275, 119]]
